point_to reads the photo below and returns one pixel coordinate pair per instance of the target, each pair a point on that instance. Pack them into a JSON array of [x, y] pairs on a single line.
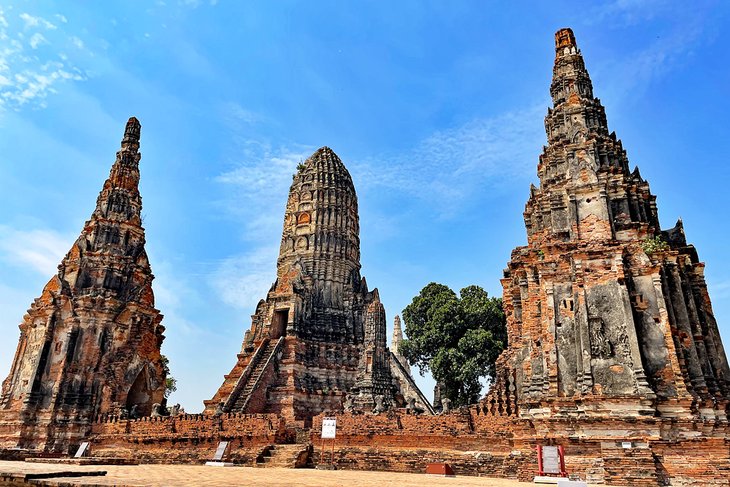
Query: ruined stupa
[[90, 344], [318, 341], [606, 313]]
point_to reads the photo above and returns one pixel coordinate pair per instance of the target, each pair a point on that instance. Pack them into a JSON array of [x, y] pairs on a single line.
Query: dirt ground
[[199, 476]]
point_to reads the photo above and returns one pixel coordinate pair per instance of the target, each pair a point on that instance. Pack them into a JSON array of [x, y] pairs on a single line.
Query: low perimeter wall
[[602, 451]]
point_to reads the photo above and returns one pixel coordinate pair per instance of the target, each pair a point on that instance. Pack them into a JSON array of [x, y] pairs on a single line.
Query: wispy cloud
[[258, 190], [197, 3], [242, 280], [684, 27], [32, 59], [260, 183], [31, 21], [452, 165], [719, 290], [37, 249], [37, 39], [445, 168]]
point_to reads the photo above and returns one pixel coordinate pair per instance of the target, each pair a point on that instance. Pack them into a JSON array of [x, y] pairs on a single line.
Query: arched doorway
[[139, 394], [279, 322]]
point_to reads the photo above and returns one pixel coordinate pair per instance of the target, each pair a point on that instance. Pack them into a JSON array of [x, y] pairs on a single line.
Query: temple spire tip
[[564, 38], [132, 130]]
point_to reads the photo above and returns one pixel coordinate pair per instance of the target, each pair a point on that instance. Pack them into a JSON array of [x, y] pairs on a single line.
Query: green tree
[[170, 382], [457, 338]]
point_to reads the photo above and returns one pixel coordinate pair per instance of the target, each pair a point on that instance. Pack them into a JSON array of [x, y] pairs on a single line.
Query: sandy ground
[[195, 475]]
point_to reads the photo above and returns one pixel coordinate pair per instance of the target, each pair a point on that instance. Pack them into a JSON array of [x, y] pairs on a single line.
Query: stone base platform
[[147, 475], [85, 461]]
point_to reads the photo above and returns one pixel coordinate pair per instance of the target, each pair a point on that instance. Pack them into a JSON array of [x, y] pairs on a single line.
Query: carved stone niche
[[303, 218], [601, 347]]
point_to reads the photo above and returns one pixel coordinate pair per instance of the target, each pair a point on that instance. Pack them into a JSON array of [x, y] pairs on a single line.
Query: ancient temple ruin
[[90, 344], [614, 353], [607, 314], [318, 341]]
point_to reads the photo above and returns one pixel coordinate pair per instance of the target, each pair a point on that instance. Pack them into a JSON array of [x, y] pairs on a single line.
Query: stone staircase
[[260, 361], [284, 456]]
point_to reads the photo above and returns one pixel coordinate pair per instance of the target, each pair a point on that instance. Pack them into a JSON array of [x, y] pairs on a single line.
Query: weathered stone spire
[[603, 306], [395, 344], [581, 152], [91, 343], [310, 338], [374, 389]]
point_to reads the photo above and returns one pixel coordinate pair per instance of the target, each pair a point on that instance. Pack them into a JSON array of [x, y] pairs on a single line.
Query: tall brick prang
[[90, 344], [607, 313], [306, 348]]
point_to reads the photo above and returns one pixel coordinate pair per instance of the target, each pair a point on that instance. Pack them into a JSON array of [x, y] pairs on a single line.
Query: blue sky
[[436, 108]]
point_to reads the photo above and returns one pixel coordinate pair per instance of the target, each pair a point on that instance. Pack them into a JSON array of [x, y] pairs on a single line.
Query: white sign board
[[82, 450], [550, 460], [329, 427], [220, 451], [626, 444]]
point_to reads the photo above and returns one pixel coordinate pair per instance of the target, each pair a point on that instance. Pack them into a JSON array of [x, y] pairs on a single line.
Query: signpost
[[329, 431], [82, 450], [551, 460], [220, 453]]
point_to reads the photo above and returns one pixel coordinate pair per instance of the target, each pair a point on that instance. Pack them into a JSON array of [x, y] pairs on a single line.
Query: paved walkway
[[201, 476]]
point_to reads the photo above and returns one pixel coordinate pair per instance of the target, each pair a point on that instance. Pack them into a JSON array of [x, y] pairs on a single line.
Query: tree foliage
[[457, 338], [170, 382]]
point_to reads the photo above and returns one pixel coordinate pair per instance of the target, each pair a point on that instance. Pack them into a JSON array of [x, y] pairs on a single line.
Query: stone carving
[[379, 406], [411, 404], [575, 331], [445, 405], [348, 405], [90, 344], [134, 412], [320, 333], [157, 410], [600, 346], [175, 410]]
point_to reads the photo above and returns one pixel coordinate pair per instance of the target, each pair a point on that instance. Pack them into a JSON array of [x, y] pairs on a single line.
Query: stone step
[[284, 456]]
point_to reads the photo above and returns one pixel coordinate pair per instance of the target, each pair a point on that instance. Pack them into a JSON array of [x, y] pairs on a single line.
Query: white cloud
[[235, 112], [451, 165], [682, 27], [76, 42], [28, 74], [260, 187], [719, 290], [39, 249], [3, 20], [36, 40], [241, 281], [31, 21], [445, 168]]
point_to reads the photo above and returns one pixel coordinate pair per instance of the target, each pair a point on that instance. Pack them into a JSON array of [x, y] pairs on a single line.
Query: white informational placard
[[571, 483], [329, 427], [220, 451], [82, 450], [626, 444], [550, 460]]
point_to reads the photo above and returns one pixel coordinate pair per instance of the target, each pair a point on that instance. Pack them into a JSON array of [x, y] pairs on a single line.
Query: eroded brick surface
[[318, 341], [90, 344]]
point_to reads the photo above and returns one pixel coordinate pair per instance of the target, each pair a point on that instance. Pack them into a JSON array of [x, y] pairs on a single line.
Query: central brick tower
[[320, 334]]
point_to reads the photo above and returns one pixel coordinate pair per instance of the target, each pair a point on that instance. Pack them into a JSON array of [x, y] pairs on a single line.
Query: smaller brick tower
[[90, 344]]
